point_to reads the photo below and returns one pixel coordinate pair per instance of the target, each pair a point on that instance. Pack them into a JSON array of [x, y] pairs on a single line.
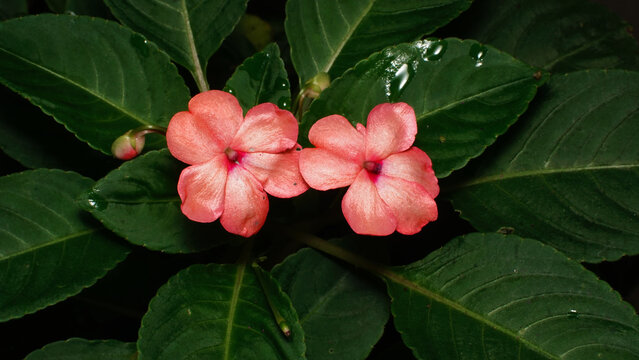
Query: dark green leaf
[[81, 349], [139, 201], [97, 78], [189, 31], [49, 248], [12, 8], [567, 172], [342, 312], [331, 35], [464, 95], [559, 36], [36, 140], [491, 296], [261, 78], [79, 7], [218, 312]]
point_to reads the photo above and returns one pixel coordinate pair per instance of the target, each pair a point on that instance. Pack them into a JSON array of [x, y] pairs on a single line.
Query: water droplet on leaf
[[284, 102], [140, 44], [477, 52], [95, 201], [434, 50], [397, 83]]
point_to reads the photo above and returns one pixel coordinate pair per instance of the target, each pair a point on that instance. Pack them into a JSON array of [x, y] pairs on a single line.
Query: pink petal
[[390, 128], [334, 133], [324, 170], [412, 165], [245, 203], [410, 202], [188, 140], [266, 128], [364, 209], [279, 173], [201, 188]]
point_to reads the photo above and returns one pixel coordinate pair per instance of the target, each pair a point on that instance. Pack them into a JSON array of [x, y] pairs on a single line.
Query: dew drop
[[398, 81], [140, 44], [284, 103], [281, 84], [434, 50], [477, 52], [95, 201]]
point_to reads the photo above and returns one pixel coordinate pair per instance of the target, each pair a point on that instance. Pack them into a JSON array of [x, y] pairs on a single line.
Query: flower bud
[[316, 85], [128, 145]]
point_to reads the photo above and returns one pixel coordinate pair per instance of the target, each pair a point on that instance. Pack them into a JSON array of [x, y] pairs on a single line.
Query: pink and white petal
[[201, 188], [390, 128], [245, 203], [324, 170], [279, 174], [266, 128], [189, 141], [411, 204], [220, 113], [364, 209], [334, 133], [412, 165]]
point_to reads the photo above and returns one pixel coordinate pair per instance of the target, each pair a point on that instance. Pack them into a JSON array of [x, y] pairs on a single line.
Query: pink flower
[[234, 161], [392, 185]]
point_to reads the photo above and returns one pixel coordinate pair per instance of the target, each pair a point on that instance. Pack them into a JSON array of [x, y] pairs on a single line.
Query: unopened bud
[[128, 145]]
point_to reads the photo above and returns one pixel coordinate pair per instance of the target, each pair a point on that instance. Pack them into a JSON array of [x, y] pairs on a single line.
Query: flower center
[[233, 155], [373, 167]]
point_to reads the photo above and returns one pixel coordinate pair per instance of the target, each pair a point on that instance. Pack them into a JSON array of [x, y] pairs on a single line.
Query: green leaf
[[464, 95], [36, 140], [13, 8], [79, 7], [559, 36], [49, 248], [567, 171], [342, 312], [95, 77], [189, 31], [81, 349], [331, 36], [218, 312], [139, 201], [504, 297], [260, 79]]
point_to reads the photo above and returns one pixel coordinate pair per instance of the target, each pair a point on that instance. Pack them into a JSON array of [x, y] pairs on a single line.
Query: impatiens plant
[[453, 179]]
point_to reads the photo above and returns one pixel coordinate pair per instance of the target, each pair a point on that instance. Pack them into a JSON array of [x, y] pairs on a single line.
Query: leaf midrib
[[239, 278], [50, 243], [79, 86], [392, 275], [541, 172]]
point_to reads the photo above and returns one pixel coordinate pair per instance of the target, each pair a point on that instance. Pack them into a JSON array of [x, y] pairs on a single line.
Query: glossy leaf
[[342, 311], [139, 201], [81, 349], [504, 297], [80, 7], [567, 172], [189, 31], [559, 36], [464, 95], [36, 140], [260, 79], [13, 8], [218, 312], [49, 248], [95, 77], [331, 36]]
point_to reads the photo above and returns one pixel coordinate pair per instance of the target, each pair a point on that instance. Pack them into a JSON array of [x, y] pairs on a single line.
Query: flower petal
[[208, 127], [266, 128], [390, 128], [201, 188], [279, 173], [334, 133], [410, 202], [412, 165], [364, 209], [245, 203], [324, 170]]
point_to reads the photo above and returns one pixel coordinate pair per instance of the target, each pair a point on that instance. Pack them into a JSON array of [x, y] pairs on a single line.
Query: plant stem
[[279, 319]]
